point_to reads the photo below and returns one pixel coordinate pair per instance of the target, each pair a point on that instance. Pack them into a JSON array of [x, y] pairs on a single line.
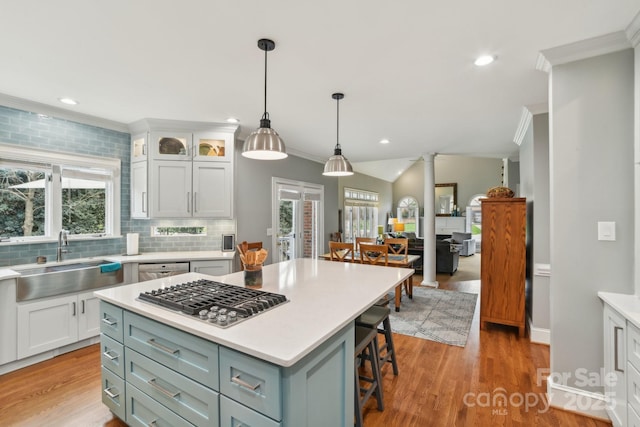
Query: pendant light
[[337, 165], [264, 143]]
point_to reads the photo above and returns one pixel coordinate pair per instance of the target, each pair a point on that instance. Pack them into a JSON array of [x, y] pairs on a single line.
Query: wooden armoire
[[503, 262]]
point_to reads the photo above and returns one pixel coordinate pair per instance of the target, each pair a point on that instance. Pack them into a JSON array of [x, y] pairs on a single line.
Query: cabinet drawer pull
[[144, 205], [108, 392], [153, 423], [236, 379], [152, 382], [152, 342], [82, 305], [616, 329], [74, 308], [110, 355], [189, 201], [109, 322]]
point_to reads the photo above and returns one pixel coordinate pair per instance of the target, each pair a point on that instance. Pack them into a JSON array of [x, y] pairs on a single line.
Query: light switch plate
[[606, 230], [269, 231]]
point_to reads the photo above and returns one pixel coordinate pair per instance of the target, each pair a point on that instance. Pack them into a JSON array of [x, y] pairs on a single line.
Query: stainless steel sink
[[51, 280]]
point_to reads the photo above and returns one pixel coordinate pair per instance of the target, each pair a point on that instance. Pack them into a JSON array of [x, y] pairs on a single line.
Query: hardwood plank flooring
[[434, 382]]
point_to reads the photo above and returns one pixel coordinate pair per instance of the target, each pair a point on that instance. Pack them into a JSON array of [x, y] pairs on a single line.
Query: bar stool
[[366, 349], [377, 318]]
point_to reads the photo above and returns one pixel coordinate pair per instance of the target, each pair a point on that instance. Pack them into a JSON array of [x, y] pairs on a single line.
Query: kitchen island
[[289, 366]]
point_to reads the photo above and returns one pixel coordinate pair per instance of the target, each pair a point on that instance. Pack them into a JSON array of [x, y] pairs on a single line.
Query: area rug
[[436, 315]]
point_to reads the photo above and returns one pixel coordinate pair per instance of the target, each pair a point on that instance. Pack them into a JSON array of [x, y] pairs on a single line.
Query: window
[[360, 214], [408, 211], [42, 193]]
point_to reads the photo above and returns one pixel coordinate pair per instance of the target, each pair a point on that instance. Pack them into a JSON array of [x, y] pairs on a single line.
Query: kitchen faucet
[[62, 241]]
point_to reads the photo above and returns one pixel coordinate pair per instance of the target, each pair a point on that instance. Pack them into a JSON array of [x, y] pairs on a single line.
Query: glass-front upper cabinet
[[170, 145], [139, 147], [213, 146]]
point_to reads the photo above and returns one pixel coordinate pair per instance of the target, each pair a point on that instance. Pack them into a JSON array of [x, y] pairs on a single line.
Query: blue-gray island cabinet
[[289, 366]]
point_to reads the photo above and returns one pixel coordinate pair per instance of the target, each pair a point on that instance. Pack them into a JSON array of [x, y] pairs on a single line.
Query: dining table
[[394, 260]]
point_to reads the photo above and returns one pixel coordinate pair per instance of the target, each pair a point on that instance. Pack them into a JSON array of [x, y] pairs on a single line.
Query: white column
[[429, 252]]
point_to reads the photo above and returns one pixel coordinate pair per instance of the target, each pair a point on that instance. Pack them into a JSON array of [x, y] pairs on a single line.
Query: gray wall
[[534, 185], [591, 154], [253, 194], [474, 175]]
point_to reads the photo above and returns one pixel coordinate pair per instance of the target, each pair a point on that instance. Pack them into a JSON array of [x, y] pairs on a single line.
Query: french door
[[297, 219]]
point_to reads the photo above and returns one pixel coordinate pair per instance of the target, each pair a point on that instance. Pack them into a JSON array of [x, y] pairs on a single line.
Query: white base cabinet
[[55, 322], [615, 365], [212, 268]]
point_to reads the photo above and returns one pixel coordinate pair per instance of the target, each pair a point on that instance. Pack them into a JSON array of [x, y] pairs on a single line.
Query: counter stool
[[377, 318], [366, 349]]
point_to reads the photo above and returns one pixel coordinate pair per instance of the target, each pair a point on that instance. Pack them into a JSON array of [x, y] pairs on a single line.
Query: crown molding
[[583, 49], [60, 113], [633, 31], [528, 112]]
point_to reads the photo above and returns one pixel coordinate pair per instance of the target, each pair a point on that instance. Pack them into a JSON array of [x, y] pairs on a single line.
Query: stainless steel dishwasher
[[150, 271]]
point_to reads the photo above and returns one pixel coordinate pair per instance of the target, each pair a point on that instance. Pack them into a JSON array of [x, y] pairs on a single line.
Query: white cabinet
[[55, 322], [139, 201], [212, 268], [186, 174], [615, 365], [88, 316], [191, 189], [8, 330]]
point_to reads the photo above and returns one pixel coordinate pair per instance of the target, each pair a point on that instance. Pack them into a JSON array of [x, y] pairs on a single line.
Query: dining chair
[[340, 251], [371, 240], [370, 253], [399, 246], [244, 247], [377, 316]]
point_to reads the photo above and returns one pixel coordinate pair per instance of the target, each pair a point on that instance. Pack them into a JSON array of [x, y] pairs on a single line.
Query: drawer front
[[187, 398], [633, 387], [633, 345], [111, 321], [112, 355], [252, 382], [113, 393], [233, 414], [143, 411], [187, 354]]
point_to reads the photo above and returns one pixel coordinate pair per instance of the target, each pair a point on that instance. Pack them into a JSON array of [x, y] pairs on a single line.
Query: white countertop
[[171, 256], [324, 296], [627, 305]]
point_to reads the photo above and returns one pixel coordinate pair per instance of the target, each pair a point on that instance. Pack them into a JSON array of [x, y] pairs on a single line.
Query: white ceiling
[[405, 67]]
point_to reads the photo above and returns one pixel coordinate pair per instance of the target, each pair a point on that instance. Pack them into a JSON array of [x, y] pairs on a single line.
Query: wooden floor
[[438, 385]]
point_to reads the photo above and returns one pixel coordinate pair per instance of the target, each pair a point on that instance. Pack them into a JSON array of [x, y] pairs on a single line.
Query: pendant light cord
[[265, 115], [338, 123]]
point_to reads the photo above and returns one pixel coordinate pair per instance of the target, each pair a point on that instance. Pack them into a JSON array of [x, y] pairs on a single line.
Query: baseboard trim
[[576, 400], [539, 335]]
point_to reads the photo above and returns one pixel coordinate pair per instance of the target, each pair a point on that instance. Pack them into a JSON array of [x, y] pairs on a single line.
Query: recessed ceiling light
[[483, 60], [232, 120], [384, 141], [68, 101]]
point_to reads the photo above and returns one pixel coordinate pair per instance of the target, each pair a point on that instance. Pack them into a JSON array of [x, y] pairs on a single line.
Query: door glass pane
[[286, 227], [173, 146], [211, 147]]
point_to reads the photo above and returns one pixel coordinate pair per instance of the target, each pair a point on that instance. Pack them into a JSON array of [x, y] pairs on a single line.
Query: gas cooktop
[[216, 303]]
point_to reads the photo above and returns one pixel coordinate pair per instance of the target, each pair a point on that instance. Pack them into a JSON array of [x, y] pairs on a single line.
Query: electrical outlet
[[606, 230]]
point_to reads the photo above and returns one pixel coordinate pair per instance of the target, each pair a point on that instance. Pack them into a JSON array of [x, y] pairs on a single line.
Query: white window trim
[[14, 153]]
